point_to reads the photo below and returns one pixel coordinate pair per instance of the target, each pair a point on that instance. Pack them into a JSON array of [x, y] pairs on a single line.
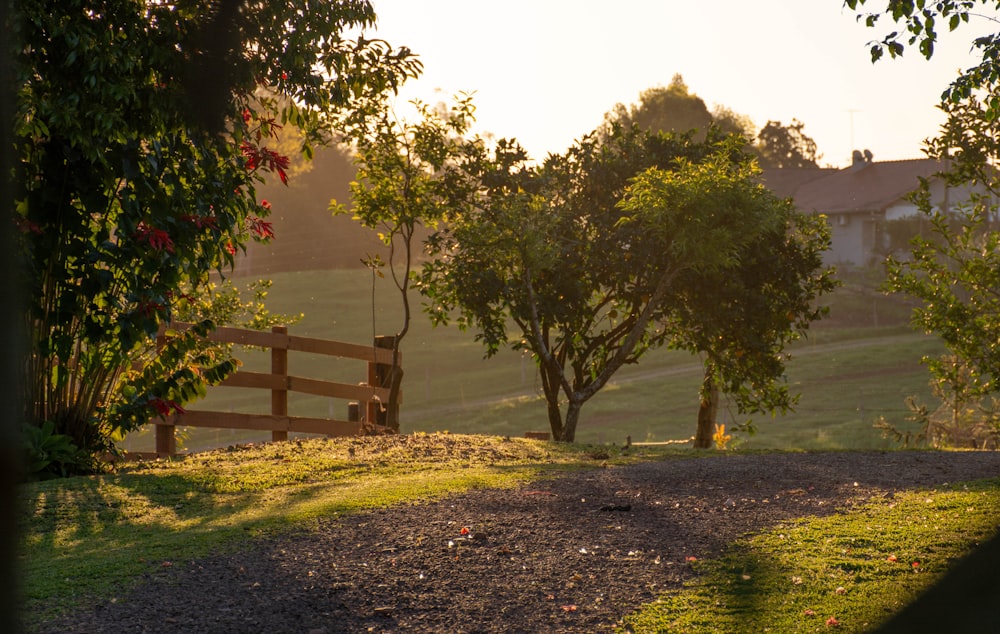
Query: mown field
[[860, 364]]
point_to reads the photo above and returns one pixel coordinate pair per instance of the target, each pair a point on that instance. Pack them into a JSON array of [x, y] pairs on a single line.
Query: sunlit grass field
[[849, 372]]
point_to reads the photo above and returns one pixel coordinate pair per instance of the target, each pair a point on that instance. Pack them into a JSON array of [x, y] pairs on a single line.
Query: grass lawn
[[848, 374], [95, 536], [849, 572]]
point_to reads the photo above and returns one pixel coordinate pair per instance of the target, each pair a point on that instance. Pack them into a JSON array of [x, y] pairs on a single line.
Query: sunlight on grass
[[850, 571], [86, 539]]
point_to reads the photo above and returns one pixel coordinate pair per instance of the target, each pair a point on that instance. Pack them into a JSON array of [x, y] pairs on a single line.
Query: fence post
[[378, 376], [279, 398], [166, 442]]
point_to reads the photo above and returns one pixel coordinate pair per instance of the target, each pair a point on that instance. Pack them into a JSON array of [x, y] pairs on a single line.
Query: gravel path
[[572, 554]]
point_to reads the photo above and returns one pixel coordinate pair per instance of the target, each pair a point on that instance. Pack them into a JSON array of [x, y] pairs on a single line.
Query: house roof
[[861, 187]]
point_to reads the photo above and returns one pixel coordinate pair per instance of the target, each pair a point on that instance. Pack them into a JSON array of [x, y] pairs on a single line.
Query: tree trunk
[[395, 387], [707, 409], [551, 388], [572, 417]]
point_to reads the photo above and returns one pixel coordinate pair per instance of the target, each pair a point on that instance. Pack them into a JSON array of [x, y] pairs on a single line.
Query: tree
[[739, 319], [406, 180], [954, 271], [673, 108], [728, 121], [533, 250], [676, 109], [779, 146], [140, 132]]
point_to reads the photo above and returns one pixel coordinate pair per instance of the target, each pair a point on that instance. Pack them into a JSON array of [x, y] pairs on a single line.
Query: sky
[[546, 71]]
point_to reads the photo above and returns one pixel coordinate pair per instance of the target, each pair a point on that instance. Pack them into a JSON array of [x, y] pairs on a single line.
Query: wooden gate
[[279, 382]]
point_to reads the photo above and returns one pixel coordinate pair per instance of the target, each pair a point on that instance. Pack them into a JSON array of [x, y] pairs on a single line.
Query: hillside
[[307, 235]]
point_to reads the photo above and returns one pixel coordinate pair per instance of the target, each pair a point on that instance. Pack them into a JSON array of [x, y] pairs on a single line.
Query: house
[[860, 199]]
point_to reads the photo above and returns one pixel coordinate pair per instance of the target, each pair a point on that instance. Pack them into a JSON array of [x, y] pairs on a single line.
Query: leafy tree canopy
[[673, 108], [141, 130], [781, 145], [588, 256], [955, 272]]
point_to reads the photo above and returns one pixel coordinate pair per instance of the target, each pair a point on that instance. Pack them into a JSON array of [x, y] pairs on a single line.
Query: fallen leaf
[[893, 558], [569, 608], [809, 612], [841, 590], [465, 530], [832, 622]]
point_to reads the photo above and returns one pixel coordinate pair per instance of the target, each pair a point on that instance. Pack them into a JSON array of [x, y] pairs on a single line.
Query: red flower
[[150, 309], [202, 221], [246, 115], [261, 229], [164, 407], [265, 205], [157, 239], [27, 226], [284, 75], [230, 249], [261, 157]]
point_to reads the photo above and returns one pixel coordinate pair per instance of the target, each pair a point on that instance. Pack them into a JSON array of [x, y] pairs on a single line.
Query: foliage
[[953, 271], [920, 21], [728, 121], [137, 179], [406, 181], [785, 146], [846, 572], [962, 419], [533, 248], [673, 108], [759, 295], [50, 455], [676, 109], [740, 319]]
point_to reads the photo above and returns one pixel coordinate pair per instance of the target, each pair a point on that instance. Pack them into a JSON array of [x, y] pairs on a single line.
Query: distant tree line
[[674, 108]]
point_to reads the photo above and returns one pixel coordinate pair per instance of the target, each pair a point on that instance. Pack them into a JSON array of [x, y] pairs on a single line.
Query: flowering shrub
[[137, 180]]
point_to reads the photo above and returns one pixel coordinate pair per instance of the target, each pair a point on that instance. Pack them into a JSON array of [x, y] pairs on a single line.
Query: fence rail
[[279, 382]]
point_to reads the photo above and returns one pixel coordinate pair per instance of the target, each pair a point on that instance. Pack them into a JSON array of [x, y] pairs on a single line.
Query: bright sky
[[546, 71]]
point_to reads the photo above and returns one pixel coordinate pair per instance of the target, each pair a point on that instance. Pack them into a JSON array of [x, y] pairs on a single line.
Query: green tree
[[533, 250], [728, 121], [407, 179], [141, 130], [954, 271], [673, 108], [780, 145], [739, 319]]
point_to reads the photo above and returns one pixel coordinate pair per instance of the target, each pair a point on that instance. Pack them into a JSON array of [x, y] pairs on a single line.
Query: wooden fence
[[369, 395]]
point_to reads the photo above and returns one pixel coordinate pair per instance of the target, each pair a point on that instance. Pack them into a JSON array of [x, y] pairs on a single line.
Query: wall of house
[[941, 198], [850, 242]]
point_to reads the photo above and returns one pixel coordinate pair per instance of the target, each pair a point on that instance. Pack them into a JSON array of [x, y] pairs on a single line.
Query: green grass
[[91, 537], [856, 568], [848, 373]]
